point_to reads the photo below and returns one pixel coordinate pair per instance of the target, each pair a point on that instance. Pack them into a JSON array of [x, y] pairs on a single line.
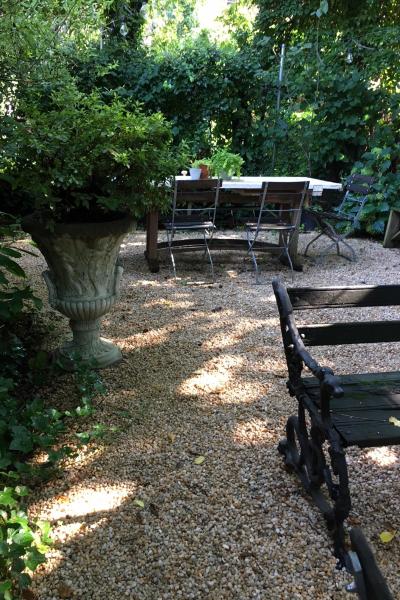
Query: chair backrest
[[357, 189], [196, 195], [282, 200]]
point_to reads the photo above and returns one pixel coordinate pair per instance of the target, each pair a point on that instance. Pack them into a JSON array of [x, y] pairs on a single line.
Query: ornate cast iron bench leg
[[304, 454]]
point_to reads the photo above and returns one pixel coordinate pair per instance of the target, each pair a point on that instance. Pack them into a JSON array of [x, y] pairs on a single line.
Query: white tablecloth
[[254, 183]]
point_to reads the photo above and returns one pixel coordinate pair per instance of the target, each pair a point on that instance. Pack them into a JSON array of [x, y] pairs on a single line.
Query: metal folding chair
[[280, 206], [339, 223], [194, 208]]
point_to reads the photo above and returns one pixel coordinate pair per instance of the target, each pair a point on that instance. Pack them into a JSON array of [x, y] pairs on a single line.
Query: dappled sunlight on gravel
[[186, 497], [83, 500], [384, 457], [254, 431]]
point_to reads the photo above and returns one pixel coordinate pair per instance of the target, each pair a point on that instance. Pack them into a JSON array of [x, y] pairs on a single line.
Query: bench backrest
[[358, 332]]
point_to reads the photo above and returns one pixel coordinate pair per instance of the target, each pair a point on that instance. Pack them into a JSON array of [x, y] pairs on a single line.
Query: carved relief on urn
[[83, 281]]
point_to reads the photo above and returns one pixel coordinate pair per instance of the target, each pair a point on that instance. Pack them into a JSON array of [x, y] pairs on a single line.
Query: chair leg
[[336, 242], [253, 256], [207, 250], [312, 241], [286, 247], [351, 249], [336, 239], [170, 237], [327, 230]]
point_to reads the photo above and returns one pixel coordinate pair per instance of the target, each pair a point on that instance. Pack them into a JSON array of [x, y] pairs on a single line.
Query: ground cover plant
[[27, 424]]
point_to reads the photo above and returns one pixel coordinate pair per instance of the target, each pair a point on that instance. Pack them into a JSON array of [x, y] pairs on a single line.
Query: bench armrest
[[325, 375], [329, 382]]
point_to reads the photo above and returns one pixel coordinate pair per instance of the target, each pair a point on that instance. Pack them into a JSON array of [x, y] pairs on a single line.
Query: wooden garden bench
[[337, 412]]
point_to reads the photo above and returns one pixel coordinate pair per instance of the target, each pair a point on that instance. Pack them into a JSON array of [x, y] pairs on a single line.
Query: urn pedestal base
[[87, 347]]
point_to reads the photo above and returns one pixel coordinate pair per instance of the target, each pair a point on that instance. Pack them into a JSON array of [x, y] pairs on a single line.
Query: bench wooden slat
[[362, 415], [344, 297], [334, 334]]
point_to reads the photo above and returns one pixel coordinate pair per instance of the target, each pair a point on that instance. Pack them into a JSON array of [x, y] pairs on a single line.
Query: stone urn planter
[[82, 279]]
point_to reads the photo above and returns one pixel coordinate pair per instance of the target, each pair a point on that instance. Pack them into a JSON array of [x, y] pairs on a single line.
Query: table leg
[[151, 252], [294, 249]]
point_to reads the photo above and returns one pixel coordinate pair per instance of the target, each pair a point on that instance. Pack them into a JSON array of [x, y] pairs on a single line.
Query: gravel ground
[[203, 375]]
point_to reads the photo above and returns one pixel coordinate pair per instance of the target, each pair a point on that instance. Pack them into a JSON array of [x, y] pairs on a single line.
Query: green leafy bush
[[381, 163], [79, 157]]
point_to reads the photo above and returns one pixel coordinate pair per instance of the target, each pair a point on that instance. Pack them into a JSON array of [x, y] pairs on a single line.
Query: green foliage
[[380, 163], [89, 385], [329, 109], [329, 133], [168, 22], [214, 96], [225, 163], [81, 154], [12, 297], [24, 426], [37, 37], [23, 543], [196, 164]]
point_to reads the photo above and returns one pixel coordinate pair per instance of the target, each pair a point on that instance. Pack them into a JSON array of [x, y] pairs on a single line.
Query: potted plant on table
[[225, 164], [81, 172], [195, 170], [202, 165]]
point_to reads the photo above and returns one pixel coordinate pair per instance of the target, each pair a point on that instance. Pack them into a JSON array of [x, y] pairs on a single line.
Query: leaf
[[7, 498], [83, 437], [23, 538], [387, 536], [5, 586], [171, 437], [138, 502], [34, 559], [22, 439], [394, 421], [21, 490], [199, 460], [11, 266], [10, 252], [9, 474]]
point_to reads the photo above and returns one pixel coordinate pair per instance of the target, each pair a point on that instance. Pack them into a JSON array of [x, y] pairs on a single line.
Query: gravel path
[[203, 375]]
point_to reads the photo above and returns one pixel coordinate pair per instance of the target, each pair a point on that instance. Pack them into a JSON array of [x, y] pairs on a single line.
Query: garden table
[[236, 192]]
